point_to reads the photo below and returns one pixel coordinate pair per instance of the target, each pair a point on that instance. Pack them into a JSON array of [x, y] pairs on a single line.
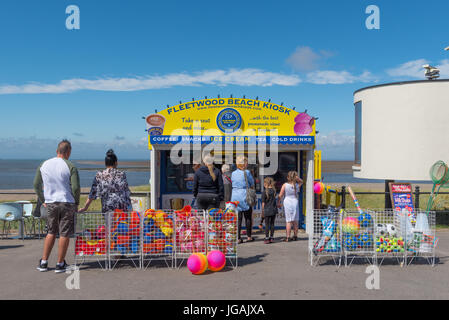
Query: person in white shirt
[[57, 186]]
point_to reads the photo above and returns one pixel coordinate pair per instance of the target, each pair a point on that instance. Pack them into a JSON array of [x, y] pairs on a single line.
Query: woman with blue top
[[239, 185]]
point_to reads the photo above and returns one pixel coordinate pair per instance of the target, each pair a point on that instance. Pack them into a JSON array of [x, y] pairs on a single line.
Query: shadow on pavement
[[11, 247], [251, 260], [94, 265]]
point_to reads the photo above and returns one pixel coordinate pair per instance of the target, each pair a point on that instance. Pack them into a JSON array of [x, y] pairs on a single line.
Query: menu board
[[401, 196]]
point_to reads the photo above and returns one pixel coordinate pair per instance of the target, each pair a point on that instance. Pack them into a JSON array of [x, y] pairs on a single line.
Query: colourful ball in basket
[[350, 225], [168, 248], [100, 233], [135, 246], [365, 240], [365, 220], [318, 188], [216, 260], [350, 243], [122, 228], [197, 263], [216, 214]]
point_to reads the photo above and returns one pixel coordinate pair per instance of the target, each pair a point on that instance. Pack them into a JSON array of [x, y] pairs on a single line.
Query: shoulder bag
[[251, 196]]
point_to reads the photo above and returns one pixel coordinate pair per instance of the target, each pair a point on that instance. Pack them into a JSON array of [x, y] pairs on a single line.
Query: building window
[[358, 133]]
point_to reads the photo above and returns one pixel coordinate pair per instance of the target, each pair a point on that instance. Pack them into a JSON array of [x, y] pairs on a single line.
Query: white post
[[153, 179], [309, 191]]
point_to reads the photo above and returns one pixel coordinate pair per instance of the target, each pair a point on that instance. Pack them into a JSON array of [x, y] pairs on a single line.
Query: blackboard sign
[[402, 197]]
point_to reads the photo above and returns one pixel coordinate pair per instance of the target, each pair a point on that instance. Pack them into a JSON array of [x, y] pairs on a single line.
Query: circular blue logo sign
[[229, 120]]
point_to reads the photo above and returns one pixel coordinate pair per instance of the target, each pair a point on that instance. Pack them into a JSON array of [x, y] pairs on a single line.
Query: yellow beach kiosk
[[275, 138]]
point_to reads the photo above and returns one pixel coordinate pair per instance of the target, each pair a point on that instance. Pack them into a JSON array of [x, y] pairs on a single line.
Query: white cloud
[[238, 77], [306, 59], [444, 68], [220, 78], [338, 77], [411, 69]]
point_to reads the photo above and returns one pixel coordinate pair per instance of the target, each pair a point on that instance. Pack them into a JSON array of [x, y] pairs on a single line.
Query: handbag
[[251, 196], [37, 210]]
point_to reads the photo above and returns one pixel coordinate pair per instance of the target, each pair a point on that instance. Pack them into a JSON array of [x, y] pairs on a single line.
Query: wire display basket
[[325, 238], [357, 236], [158, 237], [222, 226], [390, 240], [124, 238], [190, 234], [91, 238], [422, 240]]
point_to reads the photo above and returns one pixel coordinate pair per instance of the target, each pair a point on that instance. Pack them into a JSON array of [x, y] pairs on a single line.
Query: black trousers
[[206, 201], [248, 215], [269, 226]]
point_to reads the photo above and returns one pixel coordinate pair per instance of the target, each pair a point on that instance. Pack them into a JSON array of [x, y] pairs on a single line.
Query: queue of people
[[212, 188]]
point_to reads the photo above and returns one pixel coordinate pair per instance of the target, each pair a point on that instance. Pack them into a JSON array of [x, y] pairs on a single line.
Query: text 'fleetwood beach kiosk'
[[276, 139]]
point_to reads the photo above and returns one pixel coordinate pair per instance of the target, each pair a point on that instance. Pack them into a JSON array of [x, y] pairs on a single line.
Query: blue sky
[[129, 58]]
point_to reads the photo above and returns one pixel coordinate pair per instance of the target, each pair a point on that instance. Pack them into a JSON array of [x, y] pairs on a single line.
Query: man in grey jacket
[[57, 186]]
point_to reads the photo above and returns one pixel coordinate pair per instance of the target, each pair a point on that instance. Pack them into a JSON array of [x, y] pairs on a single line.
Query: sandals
[[295, 238], [250, 240], [240, 241], [286, 240]]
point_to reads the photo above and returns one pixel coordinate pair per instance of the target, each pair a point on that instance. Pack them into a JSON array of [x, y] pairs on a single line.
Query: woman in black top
[[269, 208], [208, 185]]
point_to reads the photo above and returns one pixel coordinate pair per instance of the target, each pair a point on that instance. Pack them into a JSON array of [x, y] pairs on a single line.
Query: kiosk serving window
[[179, 178], [176, 178], [287, 161]]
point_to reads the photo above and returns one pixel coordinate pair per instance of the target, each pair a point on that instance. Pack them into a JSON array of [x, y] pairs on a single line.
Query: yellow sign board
[[234, 117]]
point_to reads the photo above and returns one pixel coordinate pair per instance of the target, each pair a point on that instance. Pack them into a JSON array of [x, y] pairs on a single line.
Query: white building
[[401, 129]]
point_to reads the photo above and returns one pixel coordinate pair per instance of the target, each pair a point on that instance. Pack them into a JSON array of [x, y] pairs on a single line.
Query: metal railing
[[22, 229], [341, 194]]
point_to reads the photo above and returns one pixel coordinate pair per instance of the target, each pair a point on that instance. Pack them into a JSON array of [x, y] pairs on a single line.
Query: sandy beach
[[337, 166]]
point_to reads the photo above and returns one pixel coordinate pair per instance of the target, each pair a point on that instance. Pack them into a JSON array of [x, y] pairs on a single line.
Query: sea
[[19, 174]]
